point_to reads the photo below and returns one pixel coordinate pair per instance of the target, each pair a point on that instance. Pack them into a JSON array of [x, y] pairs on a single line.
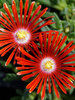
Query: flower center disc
[[48, 65], [22, 36]]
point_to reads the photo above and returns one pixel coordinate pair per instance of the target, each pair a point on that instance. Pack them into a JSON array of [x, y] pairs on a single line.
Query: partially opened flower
[[20, 32], [48, 66]]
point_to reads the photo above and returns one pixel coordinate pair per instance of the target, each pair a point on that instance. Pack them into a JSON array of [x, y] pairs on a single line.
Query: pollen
[[48, 65], [22, 36]]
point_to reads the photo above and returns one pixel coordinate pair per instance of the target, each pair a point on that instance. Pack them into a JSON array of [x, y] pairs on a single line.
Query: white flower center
[[22, 36], [48, 65]]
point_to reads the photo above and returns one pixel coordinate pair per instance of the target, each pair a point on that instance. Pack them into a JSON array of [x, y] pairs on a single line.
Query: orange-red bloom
[[20, 32], [50, 65]]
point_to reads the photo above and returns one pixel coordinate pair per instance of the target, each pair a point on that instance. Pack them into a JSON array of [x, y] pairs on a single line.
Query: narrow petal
[[67, 52], [67, 46], [2, 43], [36, 48], [34, 14], [40, 22], [66, 84], [34, 53], [35, 84], [27, 54], [61, 43], [10, 57], [6, 47], [67, 74], [54, 40], [58, 40], [22, 68], [29, 76], [36, 19], [49, 40], [45, 43], [26, 72], [2, 20], [21, 10], [5, 26], [32, 82], [40, 85], [46, 23], [49, 85], [41, 42], [30, 11], [68, 68], [6, 18], [55, 88], [7, 50], [25, 10], [15, 12], [9, 14], [44, 88], [67, 80], [60, 85], [69, 57]]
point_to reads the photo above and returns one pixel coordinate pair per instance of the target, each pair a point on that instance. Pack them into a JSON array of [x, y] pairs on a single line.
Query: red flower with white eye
[[50, 65], [20, 32]]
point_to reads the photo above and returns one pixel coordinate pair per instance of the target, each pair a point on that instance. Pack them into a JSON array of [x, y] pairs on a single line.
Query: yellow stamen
[[21, 34], [48, 65]]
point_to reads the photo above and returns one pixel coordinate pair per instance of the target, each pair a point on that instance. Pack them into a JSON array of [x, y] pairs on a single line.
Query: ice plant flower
[[20, 32], [48, 65]]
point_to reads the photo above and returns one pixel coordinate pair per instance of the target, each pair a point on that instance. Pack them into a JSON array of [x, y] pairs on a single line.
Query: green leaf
[[44, 2], [71, 91], [58, 22], [10, 77], [16, 98]]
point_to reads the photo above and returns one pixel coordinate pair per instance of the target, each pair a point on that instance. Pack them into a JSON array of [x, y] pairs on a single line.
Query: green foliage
[[10, 77], [64, 12]]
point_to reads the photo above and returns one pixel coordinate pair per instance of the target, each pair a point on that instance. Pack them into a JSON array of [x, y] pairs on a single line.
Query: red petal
[[32, 82], [6, 18], [15, 13], [44, 88], [63, 82], [67, 52], [25, 10], [68, 68], [8, 12], [67, 80], [40, 85], [36, 11], [21, 10], [36, 48], [29, 76], [67, 46], [49, 85], [27, 54], [60, 85], [30, 11], [35, 84], [10, 57], [26, 72], [58, 40], [41, 42], [41, 14], [61, 43], [55, 88]]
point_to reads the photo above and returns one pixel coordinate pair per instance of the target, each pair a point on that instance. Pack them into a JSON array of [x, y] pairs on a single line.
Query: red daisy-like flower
[[20, 32], [49, 64]]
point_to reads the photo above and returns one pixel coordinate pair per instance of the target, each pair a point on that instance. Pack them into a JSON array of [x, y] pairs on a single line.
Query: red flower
[[19, 33], [48, 65]]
